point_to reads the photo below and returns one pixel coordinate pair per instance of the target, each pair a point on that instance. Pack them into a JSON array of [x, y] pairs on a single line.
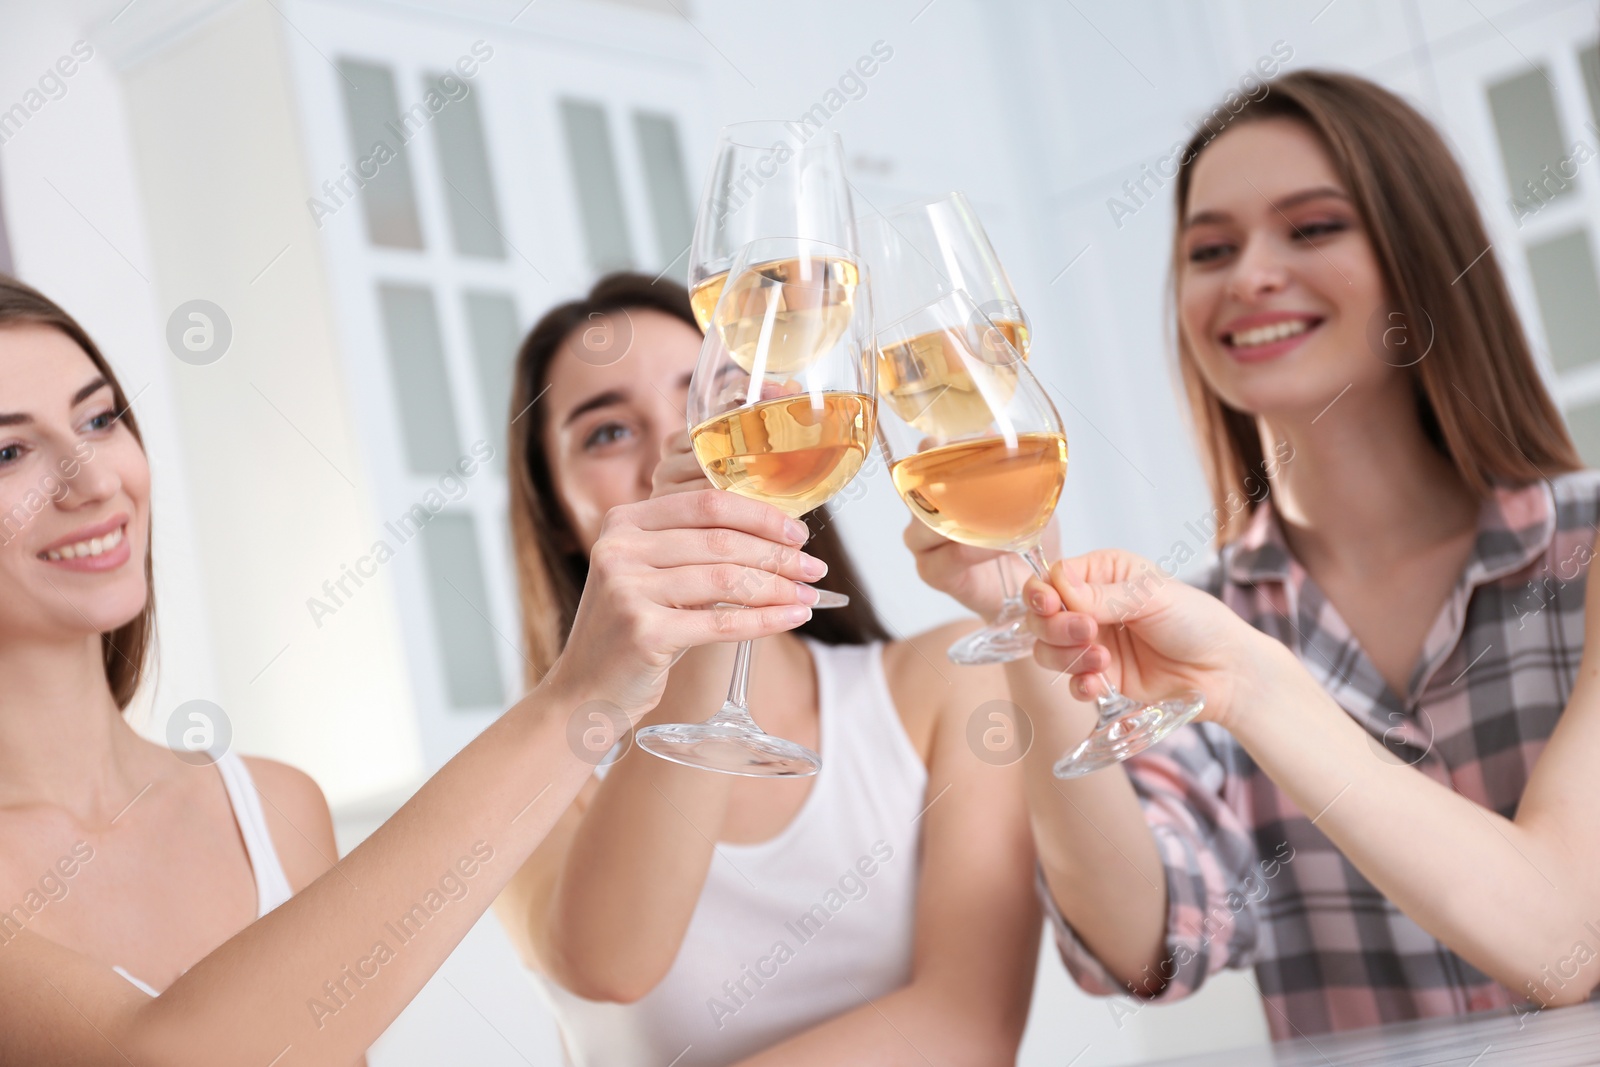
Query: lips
[[100, 547], [1253, 338]]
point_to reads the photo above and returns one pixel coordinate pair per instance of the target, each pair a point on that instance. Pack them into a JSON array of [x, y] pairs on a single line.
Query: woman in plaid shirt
[[1404, 531]]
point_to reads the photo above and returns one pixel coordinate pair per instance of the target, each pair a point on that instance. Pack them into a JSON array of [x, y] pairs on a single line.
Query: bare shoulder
[[297, 817], [928, 688]]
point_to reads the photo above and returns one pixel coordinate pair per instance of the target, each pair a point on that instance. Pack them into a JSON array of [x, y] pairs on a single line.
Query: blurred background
[[359, 309]]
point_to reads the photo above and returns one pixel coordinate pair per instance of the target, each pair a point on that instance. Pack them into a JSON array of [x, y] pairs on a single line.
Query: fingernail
[[797, 614], [812, 567], [805, 593], [1037, 600], [796, 531]]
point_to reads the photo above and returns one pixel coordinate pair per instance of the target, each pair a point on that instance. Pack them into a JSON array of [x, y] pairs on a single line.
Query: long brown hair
[[125, 650], [1479, 395], [551, 569]]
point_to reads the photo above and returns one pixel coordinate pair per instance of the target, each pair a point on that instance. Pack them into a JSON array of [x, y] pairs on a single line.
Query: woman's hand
[[679, 471], [964, 572], [672, 572], [1117, 614]]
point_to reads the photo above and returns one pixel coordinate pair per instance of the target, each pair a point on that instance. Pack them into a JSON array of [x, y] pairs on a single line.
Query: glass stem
[[736, 711], [1111, 702], [1006, 592]]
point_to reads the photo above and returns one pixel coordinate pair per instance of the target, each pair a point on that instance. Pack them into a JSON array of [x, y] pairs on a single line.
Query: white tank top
[[272, 885], [799, 928]]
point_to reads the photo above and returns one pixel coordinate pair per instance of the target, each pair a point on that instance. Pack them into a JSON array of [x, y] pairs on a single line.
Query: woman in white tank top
[[879, 911], [146, 913]]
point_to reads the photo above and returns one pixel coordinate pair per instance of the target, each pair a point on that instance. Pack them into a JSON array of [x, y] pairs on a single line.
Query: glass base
[[1000, 643], [1004, 640], [730, 748], [1127, 727]]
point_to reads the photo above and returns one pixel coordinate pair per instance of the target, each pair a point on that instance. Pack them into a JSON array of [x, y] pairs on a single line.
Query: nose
[[1258, 272], [93, 480]]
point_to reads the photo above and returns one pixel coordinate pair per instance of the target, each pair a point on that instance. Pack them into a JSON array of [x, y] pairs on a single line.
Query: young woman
[[1398, 504], [878, 911], [145, 909]]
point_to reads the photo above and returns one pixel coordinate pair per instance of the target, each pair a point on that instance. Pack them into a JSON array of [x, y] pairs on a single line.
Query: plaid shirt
[[1250, 880]]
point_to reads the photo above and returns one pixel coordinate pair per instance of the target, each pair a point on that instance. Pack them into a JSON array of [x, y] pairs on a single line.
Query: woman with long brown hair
[[189, 911], [681, 916], [1402, 520]]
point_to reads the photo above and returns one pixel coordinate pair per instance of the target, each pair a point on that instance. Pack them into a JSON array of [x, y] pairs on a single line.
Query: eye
[[1207, 253], [1321, 228], [10, 454], [607, 433], [101, 422]]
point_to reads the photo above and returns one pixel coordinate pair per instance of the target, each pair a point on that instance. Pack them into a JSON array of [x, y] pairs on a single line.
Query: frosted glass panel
[[464, 165], [594, 176], [416, 363], [666, 182], [461, 611], [492, 320], [377, 147], [1529, 131], [1564, 278], [1584, 423]]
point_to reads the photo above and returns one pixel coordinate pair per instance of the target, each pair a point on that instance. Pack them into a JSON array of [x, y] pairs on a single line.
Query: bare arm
[[361, 940], [1512, 896], [977, 922], [1097, 854], [573, 910]]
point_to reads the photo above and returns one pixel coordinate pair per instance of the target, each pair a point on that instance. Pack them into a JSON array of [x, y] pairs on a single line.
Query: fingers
[[708, 508], [1063, 629], [679, 471], [682, 548], [1076, 660], [919, 538], [1041, 597], [1110, 586], [727, 584], [740, 624]]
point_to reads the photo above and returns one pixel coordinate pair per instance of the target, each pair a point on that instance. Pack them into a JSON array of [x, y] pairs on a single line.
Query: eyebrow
[[599, 400], [612, 396], [1320, 192], [18, 418]]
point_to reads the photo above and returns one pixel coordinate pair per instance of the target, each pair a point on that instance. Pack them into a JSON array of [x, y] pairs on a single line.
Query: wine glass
[[782, 408], [768, 179], [996, 482], [917, 251]]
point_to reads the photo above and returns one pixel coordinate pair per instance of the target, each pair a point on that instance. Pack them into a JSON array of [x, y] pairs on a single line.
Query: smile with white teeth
[[1263, 335], [92, 547]]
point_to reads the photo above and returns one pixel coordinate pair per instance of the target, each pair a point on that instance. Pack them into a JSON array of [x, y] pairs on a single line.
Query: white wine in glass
[[783, 409], [918, 251], [774, 179], [768, 179], [996, 486]]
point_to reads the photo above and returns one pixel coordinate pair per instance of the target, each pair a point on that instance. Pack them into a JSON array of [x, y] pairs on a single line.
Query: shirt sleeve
[[1209, 856]]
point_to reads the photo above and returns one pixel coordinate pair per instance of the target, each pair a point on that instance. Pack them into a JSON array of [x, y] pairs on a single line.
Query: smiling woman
[[180, 909], [1347, 341], [125, 648]]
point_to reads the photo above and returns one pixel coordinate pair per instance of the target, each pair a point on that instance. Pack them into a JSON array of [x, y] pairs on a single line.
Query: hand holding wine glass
[[650, 560], [1113, 616], [996, 485], [917, 251], [781, 409], [970, 575]]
